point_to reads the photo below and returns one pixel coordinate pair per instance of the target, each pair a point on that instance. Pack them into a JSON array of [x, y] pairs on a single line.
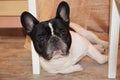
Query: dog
[[61, 43]]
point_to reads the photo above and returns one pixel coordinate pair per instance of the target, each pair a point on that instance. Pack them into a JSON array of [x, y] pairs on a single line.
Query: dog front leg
[[100, 48]]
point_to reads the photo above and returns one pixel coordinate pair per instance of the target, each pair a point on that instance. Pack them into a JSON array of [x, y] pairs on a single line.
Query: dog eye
[[40, 38]]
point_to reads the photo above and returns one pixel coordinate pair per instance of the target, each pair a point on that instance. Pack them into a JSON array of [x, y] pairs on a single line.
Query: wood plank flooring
[[15, 64]]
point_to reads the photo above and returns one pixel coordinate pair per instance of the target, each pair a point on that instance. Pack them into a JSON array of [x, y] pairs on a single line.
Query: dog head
[[51, 39]]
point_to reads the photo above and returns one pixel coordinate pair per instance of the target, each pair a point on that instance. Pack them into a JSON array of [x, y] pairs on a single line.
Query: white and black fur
[[59, 47]]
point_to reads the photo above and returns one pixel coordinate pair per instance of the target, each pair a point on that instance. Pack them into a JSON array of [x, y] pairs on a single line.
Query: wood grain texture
[[12, 32], [10, 22], [12, 7]]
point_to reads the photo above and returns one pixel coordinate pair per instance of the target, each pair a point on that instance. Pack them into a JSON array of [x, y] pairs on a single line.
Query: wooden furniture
[[10, 11]]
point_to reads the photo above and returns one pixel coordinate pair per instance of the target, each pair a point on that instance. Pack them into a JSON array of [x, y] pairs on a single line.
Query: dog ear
[[63, 12], [28, 22]]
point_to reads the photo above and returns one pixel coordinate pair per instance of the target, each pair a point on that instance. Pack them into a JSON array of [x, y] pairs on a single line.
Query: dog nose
[[54, 40]]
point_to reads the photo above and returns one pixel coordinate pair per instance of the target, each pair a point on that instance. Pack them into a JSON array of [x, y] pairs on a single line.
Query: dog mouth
[[58, 54]]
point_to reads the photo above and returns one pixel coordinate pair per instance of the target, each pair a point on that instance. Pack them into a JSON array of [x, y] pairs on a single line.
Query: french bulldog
[[61, 43]]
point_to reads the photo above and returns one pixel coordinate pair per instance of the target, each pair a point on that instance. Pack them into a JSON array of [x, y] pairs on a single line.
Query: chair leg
[[114, 36], [35, 61], [35, 56]]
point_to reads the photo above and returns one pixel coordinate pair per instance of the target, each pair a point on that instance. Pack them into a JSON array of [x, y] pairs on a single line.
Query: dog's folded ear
[[28, 21], [63, 12]]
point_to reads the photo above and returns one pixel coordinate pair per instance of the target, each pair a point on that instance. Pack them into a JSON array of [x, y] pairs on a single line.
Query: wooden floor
[[15, 64]]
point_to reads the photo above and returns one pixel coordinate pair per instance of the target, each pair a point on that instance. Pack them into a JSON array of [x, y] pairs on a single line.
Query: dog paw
[[105, 44], [100, 48], [78, 67], [103, 60]]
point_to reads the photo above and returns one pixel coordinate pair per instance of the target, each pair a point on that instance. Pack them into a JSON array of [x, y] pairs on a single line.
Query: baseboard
[[11, 32]]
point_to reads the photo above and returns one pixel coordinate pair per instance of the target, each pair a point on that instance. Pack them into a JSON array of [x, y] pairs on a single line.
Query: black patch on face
[[40, 36], [40, 32]]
